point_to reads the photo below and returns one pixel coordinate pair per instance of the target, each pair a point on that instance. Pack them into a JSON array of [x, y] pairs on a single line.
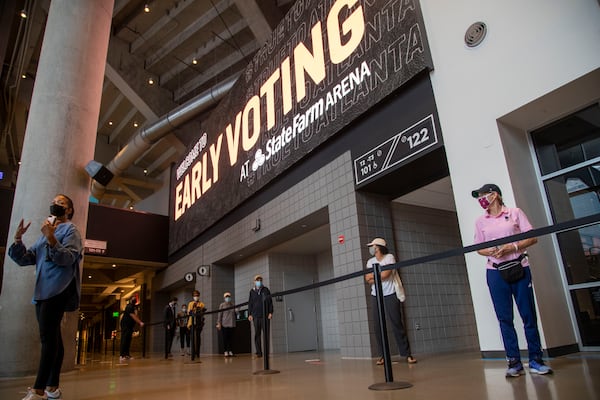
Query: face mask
[[184, 309], [258, 284], [484, 202], [372, 250], [57, 210], [196, 298], [228, 299]]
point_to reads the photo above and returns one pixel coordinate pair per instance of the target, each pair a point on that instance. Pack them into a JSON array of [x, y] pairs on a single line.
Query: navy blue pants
[[502, 297]]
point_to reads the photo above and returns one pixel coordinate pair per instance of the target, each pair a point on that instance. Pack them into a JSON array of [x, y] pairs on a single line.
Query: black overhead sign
[[398, 149], [326, 64]]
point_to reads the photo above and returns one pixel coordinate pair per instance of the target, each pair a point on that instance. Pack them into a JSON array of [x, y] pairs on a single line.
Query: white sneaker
[[32, 395], [230, 354], [56, 395]]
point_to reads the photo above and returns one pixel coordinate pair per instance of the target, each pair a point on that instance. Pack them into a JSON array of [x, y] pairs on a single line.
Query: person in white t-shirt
[[393, 307]]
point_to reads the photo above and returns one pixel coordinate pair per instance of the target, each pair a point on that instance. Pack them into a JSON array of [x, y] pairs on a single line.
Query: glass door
[[568, 154]]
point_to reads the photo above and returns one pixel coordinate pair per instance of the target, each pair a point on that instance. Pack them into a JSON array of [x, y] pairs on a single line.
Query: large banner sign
[[325, 64]]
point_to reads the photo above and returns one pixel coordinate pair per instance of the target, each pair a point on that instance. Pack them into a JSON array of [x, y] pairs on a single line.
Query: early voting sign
[[327, 63]]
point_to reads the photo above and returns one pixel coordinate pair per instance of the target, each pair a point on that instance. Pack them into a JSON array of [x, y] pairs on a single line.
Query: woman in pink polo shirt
[[499, 221]]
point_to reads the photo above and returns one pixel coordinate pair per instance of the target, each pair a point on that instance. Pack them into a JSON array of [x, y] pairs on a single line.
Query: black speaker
[[99, 172]]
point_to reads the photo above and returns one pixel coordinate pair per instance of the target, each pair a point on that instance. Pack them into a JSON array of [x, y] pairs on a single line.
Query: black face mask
[[57, 210]]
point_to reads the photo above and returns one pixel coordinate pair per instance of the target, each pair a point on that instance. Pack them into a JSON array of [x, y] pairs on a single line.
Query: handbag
[[398, 286], [512, 270]]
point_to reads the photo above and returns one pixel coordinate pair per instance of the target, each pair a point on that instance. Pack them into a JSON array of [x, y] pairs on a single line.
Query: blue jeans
[[502, 297]]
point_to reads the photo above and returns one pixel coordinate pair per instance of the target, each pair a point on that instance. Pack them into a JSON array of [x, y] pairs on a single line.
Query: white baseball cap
[[378, 242]]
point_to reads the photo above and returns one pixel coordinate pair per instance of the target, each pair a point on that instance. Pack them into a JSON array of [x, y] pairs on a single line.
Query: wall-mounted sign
[[95, 247], [325, 65], [189, 277], [204, 270], [406, 144]]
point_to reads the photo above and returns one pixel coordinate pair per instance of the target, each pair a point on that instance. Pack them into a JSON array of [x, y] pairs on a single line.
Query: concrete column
[[59, 141]]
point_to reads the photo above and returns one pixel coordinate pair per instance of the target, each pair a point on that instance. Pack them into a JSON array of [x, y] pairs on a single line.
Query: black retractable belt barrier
[[576, 223], [266, 341], [389, 383]]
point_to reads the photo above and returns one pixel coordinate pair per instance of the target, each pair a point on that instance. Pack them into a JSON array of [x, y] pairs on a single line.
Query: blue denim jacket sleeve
[[19, 254]]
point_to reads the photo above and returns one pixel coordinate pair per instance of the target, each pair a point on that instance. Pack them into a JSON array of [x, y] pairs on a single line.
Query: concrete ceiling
[[184, 47]]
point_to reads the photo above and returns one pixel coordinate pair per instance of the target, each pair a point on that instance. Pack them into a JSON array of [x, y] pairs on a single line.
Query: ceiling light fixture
[[23, 14], [110, 123], [146, 8], [150, 81], [145, 171], [194, 61], [135, 124], [23, 76]]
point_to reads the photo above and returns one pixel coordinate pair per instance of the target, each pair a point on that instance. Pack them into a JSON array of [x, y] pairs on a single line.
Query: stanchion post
[[193, 337], [266, 340], [387, 359], [265, 335]]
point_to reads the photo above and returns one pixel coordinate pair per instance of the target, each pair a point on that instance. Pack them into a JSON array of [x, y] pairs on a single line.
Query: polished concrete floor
[[317, 376]]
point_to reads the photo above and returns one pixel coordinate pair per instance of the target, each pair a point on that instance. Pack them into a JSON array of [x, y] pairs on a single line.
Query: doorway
[[300, 313], [568, 154]]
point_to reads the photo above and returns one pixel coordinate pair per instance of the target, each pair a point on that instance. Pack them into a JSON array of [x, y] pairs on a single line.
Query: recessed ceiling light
[[194, 61], [135, 125], [114, 265], [110, 123], [150, 81], [23, 14], [145, 171], [23, 76], [146, 8], [89, 277]]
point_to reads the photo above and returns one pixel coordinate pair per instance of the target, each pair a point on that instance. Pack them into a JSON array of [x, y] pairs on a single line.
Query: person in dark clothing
[[128, 321], [170, 325], [56, 255], [258, 294], [196, 310]]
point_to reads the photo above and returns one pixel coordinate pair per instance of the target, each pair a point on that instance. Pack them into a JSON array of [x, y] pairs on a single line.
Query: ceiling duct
[[152, 133]]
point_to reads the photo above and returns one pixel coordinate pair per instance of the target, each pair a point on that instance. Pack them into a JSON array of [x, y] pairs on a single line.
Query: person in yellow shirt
[[196, 310]]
